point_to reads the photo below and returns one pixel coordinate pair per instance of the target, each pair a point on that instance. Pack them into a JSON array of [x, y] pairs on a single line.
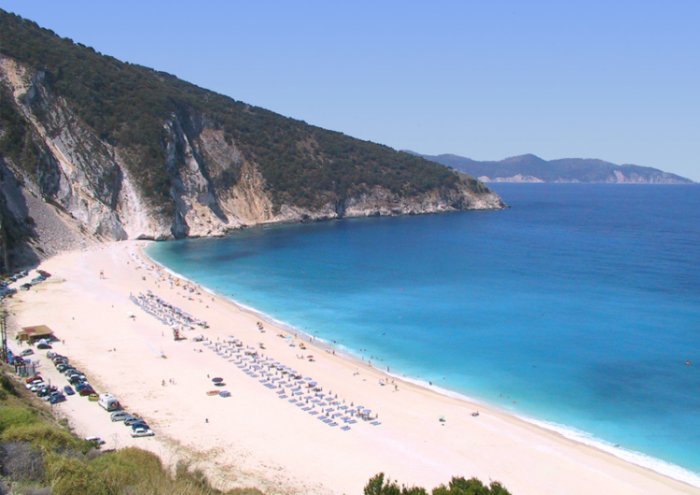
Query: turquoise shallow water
[[578, 306]]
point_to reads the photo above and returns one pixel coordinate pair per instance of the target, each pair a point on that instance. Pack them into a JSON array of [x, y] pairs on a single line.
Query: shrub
[[21, 461], [127, 467], [42, 435], [377, 485], [71, 475], [7, 385], [13, 416]]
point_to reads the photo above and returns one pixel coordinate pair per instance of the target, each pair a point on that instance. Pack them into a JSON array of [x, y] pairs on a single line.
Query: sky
[[617, 80]]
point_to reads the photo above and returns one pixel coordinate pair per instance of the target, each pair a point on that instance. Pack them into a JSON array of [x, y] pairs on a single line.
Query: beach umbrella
[[218, 379]]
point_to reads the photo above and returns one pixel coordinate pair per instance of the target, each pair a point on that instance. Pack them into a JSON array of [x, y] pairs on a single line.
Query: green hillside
[[127, 106]]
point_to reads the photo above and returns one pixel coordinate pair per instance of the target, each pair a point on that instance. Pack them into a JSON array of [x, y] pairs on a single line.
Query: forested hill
[[531, 168], [128, 151]]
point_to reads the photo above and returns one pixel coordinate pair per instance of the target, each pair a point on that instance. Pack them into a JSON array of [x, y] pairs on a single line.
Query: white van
[[109, 402]]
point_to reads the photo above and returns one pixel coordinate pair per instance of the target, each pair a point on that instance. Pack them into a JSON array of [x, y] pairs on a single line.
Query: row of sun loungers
[[289, 385], [167, 313]]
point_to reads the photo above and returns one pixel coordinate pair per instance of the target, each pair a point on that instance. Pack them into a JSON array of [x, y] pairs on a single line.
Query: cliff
[[93, 149], [531, 168]]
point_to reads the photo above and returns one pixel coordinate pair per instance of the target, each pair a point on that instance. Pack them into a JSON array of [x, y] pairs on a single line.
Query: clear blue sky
[[617, 79]]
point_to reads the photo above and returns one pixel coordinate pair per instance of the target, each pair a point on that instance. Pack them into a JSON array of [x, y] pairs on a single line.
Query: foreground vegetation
[[457, 486], [39, 456]]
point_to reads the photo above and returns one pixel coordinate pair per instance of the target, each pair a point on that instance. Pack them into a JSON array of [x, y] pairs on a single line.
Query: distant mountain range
[[532, 168]]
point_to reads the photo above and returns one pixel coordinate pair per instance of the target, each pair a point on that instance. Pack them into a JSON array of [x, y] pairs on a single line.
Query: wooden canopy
[[30, 334]]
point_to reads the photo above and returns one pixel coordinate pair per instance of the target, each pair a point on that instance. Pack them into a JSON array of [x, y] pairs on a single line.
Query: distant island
[[532, 168]]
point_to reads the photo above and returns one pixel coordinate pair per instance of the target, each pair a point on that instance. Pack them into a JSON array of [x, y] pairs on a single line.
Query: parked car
[[85, 389], [36, 386], [56, 398], [142, 432], [43, 345], [27, 352], [69, 390], [47, 397], [46, 390], [7, 292], [130, 421], [120, 415], [76, 379], [32, 378], [139, 424]]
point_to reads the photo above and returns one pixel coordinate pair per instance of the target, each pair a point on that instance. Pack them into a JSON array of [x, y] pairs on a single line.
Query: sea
[[577, 308]]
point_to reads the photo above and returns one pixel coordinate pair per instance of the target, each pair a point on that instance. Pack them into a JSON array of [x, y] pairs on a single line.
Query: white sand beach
[[255, 438]]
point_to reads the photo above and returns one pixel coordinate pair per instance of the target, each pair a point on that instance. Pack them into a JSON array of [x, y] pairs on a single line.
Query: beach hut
[[34, 333]]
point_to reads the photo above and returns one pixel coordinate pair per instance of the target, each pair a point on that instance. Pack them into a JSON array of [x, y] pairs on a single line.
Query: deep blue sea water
[[578, 306]]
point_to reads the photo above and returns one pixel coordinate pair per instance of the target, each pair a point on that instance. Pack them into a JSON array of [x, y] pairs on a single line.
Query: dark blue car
[[69, 390], [139, 424]]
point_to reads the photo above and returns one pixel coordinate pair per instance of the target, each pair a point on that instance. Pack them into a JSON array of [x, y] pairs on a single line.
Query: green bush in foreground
[[457, 486]]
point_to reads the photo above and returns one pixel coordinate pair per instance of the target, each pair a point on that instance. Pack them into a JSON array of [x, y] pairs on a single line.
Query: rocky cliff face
[[83, 183]]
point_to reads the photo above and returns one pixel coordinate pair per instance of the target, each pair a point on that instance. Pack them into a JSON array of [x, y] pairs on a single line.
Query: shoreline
[[646, 461], [258, 446]]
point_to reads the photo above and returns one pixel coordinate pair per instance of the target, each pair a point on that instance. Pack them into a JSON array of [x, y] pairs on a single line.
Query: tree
[[377, 485]]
